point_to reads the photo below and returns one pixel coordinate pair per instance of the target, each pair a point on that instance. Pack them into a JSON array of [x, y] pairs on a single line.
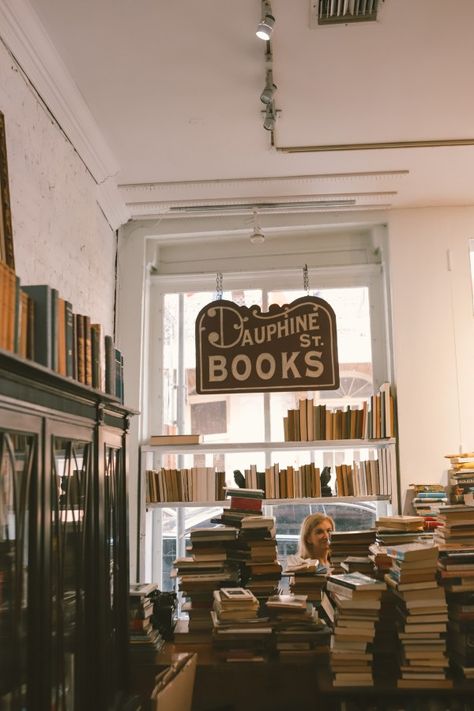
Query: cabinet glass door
[[116, 566], [71, 495], [17, 457]]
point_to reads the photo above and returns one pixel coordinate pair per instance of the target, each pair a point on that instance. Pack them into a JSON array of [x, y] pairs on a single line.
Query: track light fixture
[[257, 236], [265, 26], [267, 94], [270, 116]]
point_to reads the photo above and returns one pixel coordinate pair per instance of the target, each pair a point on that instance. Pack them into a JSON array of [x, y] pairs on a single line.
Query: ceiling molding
[[30, 46], [258, 181], [113, 207], [235, 194]]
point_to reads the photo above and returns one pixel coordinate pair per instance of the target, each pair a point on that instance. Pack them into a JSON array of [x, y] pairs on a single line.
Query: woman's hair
[[310, 522]]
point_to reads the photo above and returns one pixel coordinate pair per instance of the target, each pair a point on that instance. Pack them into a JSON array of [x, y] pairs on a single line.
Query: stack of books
[[261, 572], [145, 640], [255, 547], [305, 580], [422, 613], [427, 501], [239, 634], [358, 564], [243, 503], [299, 634], [207, 568], [456, 525], [352, 605], [456, 574], [381, 561], [352, 543], [460, 476]]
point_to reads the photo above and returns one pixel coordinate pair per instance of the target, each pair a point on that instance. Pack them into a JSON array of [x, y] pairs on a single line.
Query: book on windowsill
[[175, 439]]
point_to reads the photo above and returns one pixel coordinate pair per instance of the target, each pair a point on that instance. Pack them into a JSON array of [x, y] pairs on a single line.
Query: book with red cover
[[245, 503]]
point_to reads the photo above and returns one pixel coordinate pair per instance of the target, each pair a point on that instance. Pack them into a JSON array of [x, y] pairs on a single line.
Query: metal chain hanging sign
[[290, 347]]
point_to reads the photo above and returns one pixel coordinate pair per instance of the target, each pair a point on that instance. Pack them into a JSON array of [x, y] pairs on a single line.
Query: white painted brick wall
[[60, 234]]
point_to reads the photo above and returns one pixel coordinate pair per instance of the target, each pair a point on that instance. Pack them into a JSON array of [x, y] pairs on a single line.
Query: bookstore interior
[[234, 474]]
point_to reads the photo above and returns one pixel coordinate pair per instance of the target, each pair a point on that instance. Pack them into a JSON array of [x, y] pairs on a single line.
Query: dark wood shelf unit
[[64, 570]]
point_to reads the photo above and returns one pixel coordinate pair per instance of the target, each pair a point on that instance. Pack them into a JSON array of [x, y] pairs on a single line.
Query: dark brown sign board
[[291, 347]]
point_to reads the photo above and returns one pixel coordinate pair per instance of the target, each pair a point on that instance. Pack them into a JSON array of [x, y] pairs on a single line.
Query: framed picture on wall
[[6, 232]]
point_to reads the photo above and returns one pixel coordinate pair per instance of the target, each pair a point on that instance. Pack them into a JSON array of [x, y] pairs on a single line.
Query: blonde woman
[[315, 538]]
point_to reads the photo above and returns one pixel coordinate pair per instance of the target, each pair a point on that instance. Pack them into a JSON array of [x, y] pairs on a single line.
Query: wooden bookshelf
[[267, 502], [321, 445]]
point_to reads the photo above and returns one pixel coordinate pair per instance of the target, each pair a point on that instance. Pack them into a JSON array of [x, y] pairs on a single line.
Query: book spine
[[96, 340], [69, 335], [87, 351], [80, 350], [54, 329], [42, 335], [109, 365]]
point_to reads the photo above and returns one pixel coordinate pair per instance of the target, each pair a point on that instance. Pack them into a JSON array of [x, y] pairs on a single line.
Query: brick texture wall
[[61, 236]]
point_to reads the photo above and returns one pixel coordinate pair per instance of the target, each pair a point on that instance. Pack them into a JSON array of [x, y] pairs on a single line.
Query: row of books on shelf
[[364, 478], [375, 419], [191, 484], [40, 325], [372, 477]]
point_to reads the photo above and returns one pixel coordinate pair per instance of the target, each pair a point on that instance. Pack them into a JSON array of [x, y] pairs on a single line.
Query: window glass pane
[[351, 306], [347, 517], [217, 417]]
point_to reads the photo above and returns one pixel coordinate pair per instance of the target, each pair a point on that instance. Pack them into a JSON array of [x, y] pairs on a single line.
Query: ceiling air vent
[[332, 12]]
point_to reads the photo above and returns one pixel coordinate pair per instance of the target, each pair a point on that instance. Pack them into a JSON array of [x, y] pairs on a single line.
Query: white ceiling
[[174, 85]]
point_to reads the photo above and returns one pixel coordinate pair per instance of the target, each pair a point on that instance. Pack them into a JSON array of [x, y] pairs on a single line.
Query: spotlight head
[[265, 26], [267, 94], [269, 121]]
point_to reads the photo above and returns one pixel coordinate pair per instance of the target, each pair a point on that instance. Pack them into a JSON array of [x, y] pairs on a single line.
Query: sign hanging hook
[[219, 291], [305, 279]]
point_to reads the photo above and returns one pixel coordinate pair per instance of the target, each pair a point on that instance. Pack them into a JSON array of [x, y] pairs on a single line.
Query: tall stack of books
[[145, 641], [208, 568], [456, 526], [352, 605], [299, 633], [352, 543], [456, 574], [255, 548], [422, 613], [261, 572], [427, 501], [460, 476], [239, 634]]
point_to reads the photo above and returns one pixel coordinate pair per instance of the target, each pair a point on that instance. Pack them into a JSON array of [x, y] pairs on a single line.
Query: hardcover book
[[357, 581], [175, 439], [41, 296]]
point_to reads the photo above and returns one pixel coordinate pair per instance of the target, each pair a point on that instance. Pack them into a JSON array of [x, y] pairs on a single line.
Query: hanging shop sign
[[290, 347]]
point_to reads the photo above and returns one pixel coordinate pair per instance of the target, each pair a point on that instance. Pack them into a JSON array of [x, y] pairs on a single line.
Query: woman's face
[[319, 539]]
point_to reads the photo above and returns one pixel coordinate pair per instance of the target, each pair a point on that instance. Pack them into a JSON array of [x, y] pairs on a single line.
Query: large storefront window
[[258, 417]]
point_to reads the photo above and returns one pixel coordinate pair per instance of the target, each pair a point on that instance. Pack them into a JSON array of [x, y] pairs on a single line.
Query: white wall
[[433, 337], [60, 234]]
